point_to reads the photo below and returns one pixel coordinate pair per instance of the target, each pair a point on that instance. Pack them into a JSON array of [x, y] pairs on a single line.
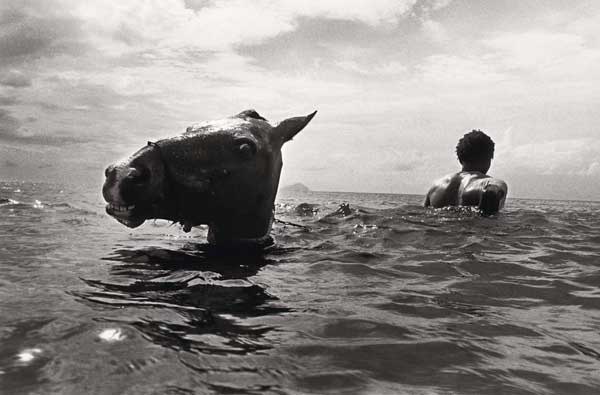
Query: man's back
[[472, 186], [468, 188]]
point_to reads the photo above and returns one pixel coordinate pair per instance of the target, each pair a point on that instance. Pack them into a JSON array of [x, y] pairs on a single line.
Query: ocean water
[[386, 298]]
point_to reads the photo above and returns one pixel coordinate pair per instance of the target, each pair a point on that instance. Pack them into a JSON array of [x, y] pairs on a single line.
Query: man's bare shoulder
[[485, 181], [444, 190], [443, 182]]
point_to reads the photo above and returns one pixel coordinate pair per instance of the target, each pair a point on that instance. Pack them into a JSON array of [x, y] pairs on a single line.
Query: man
[[472, 186]]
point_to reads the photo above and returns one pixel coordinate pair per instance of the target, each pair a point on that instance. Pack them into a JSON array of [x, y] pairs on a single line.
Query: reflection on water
[[28, 355], [111, 335], [202, 287], [378, 296]]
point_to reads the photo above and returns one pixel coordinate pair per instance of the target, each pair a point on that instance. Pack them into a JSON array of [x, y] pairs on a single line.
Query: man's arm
[[493, 196]]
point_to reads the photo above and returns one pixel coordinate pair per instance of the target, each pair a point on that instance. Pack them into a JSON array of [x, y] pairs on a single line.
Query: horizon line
[[423, 195], [280, 189]]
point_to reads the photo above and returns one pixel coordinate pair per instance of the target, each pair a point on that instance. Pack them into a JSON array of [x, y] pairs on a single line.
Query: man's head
[[475, 151]]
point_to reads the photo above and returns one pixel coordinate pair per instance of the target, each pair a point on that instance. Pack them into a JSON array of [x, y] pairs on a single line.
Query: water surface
[[386, 298]]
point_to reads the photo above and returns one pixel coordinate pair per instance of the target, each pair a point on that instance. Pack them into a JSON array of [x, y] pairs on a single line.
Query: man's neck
[[480, 166], [473, 168]]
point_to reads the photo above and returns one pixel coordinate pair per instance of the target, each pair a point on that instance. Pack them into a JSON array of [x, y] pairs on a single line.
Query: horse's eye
[[138, 174], [247, 149]]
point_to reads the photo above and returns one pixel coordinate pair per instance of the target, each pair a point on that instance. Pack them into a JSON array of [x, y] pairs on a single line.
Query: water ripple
[[363, 293]]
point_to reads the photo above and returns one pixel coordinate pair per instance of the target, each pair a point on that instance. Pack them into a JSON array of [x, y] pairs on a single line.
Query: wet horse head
[[222, 173]]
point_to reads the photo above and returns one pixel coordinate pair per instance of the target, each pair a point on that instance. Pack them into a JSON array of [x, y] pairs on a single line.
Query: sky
[[396, 83]]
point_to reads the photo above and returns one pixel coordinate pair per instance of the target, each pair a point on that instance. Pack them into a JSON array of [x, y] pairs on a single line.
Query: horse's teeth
[[120, 208]]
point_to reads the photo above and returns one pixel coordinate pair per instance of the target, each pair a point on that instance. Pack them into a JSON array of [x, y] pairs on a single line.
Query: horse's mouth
[[126, 215]]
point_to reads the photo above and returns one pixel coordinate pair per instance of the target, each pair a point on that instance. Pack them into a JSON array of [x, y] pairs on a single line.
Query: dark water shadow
[[193, 299]]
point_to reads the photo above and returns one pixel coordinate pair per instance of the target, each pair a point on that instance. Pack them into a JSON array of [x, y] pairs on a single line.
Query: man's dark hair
[[475, 146]]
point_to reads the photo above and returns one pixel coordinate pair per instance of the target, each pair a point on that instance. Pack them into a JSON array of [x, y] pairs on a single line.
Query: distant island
[[295, 188]]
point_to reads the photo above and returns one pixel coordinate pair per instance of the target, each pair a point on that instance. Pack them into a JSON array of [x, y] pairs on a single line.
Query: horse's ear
[[288, 128]]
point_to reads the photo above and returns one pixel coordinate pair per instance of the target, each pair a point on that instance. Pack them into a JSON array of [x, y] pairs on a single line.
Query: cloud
[[8, 124], [403, 167], [558, 157], [390, 68], [388, 160], [432, 29], [314, 168], [352, 66], [8, 100], [197, 5], [170, 27], [14, 79], [435, 31], [454, 70], [402, 161], [374, 70], [439, 4], [12, 130], [593, 169], [372, 12], [33, 29], [555, 54]]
